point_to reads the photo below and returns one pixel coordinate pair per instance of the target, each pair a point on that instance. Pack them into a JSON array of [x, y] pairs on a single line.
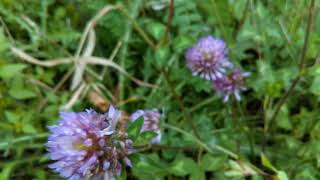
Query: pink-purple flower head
[[230, 84], [83, 145], [208, 58], [151, 122]]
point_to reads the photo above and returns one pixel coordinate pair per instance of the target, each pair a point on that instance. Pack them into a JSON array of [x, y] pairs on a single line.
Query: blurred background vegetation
[[265, 37]]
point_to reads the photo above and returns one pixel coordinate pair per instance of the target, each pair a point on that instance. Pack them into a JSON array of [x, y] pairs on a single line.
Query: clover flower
[[84, 145], [230, 84], [208, 58], [151, 122]]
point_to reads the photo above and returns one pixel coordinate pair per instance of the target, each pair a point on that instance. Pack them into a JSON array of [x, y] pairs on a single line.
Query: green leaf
[[22, 94], [283, 120], [315, 86], [162, 55], [183, 166], [28, 128], [156, 29], [145, 137], [234, 173], [149, 166], [11, 116], [197, 174], [10, 70], [134, 128], [3, 42], [6, 171], [265, 161], [182, 42], [240, 169], [281, 175], [314, 70], [211, 163]]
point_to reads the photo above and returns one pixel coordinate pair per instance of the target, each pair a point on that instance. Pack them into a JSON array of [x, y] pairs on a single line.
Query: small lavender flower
[[208, 58], [83, 145], [151, 122], [230, 84]]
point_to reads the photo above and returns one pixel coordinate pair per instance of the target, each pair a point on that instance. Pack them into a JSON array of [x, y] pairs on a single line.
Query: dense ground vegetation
[[135, 54]]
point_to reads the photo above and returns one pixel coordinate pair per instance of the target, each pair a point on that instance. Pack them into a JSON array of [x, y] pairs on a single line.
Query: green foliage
[[265, 38], [134, 128]]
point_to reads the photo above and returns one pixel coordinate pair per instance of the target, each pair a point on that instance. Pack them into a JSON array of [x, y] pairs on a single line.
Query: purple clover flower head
[[83, 145], [151, 122], [208, 58], [230, 84]]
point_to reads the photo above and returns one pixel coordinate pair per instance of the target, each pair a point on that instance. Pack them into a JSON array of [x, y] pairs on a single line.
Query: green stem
[[202, 144], [127, 35], [4, 145], [136, 25]]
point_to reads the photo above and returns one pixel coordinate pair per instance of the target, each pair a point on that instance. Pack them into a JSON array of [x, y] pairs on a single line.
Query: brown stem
[[178, 98], [171, 12]]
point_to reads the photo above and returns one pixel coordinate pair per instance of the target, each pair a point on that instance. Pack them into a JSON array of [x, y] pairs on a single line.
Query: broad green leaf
[[10, 70]]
